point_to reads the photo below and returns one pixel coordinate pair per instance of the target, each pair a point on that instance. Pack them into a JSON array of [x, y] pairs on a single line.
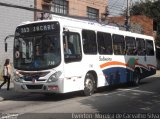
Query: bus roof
[[88, 24]]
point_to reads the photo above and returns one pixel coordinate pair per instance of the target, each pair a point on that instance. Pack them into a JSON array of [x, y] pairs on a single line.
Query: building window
[[60, 6], [92, 13], [46, 5]]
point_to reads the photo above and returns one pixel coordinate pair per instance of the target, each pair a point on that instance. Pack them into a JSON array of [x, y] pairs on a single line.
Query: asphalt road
[[120, 101]]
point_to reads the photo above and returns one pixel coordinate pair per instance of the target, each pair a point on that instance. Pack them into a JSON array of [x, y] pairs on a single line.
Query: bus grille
[[30, 79], [34, 86]]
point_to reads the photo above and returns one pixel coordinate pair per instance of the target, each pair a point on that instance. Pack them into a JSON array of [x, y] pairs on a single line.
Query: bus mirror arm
[[6, 46], [5, 41]]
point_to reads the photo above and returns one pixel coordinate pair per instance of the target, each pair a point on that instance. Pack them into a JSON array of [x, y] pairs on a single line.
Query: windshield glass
[[36, 50]]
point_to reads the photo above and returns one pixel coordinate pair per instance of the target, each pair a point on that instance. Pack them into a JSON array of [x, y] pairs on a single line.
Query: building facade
[[137, 24], [11, 17], [94, 9]]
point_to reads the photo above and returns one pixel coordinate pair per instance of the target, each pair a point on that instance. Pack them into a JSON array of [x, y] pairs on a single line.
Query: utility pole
[[127, 16]]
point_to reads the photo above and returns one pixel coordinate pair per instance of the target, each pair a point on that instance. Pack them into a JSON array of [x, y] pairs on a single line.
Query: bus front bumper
[[36, 87]]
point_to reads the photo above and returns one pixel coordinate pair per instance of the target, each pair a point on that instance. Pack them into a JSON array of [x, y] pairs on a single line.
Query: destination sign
[[38, 27]]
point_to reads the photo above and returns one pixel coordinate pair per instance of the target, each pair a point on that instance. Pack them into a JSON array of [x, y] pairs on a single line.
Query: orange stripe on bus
[[112, 63]]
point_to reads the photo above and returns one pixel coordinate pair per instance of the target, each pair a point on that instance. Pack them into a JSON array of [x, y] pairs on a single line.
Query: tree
[[148, 8]]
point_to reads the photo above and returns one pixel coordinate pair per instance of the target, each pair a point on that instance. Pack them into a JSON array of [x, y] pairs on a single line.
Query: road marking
[[130, 89], [140, 91], [118, 91], [9, 116]]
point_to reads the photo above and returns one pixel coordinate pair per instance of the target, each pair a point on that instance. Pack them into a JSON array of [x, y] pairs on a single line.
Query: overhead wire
[[118, 7]]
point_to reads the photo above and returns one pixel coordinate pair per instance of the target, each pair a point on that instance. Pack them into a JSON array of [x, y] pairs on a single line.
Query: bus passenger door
[[72, 61]]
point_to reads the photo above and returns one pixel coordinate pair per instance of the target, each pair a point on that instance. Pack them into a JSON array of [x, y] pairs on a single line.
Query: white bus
[[66, 54]]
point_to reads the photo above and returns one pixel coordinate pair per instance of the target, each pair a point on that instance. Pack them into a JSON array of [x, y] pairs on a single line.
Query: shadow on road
[[17, 96], [142, 99]]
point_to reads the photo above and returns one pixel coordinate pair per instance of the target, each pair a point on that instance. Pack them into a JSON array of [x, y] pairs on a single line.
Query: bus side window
[[140, 43], [72, 47], [89, 42], [130, 45], [104, 43], [149, 48], [118, 44]]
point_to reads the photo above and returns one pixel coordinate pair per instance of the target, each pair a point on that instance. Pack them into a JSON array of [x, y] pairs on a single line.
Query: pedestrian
[[6, 73]]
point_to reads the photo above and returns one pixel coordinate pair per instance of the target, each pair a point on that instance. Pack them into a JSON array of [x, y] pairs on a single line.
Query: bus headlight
[[54, 77], [18, 77]]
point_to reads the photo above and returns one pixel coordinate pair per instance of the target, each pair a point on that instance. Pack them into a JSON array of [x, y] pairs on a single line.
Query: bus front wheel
[[89, 85]]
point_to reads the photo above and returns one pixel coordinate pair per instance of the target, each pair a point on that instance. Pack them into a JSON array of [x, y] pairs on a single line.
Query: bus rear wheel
[[89, 85]]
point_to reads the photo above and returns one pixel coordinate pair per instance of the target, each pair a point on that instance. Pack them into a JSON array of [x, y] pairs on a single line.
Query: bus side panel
[[117, 75], [73, 76], [118, 71], [147, 64], [151, 64]]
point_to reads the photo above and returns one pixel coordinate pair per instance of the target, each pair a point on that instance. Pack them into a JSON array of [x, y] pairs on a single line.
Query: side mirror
[[6, 45], [9, 36]]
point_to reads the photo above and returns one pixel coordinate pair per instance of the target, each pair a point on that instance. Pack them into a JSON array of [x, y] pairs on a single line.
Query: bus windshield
[[36, 47]]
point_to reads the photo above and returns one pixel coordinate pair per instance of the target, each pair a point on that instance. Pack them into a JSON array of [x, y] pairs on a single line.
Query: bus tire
[[89, 85], [136, 78]]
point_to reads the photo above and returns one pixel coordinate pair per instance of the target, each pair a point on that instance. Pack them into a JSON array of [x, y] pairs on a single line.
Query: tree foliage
[[148, 8]]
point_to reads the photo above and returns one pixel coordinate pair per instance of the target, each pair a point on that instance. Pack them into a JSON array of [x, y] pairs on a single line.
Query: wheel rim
[[136, 80], [89, 85]]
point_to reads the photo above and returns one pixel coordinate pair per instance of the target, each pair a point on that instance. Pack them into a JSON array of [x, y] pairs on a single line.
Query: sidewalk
[[157, 73], [4, 94], [10, 94]]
